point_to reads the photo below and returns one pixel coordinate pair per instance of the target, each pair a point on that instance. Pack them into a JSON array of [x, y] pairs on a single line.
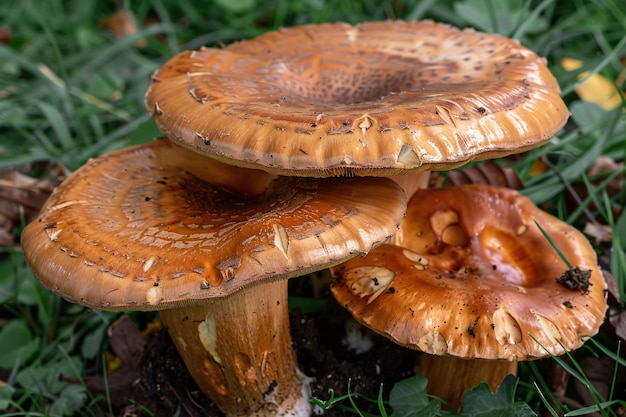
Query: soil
[[163, 385]]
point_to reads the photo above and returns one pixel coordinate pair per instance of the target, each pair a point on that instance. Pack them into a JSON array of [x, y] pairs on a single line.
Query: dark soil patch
[[165, 388]]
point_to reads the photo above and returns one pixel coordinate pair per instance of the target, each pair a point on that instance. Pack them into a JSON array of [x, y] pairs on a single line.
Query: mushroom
[[471, 276], [157, 227], [375, 99]]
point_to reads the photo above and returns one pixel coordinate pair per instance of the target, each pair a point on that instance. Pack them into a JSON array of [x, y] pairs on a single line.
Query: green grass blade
[[554, 246], [549, 186], [545, 402], [591, 409], [57, 122], [613, 55], [528, 20], [381, 402]]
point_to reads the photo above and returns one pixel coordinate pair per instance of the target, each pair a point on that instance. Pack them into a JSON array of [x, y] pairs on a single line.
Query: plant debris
[[576, 279], [21, 197]]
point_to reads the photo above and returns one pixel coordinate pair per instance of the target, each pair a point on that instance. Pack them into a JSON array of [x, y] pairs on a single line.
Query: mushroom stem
[[449, 377], [410, 183], [238, 350]]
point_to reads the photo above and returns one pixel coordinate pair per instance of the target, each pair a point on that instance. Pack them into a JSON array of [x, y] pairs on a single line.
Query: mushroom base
[[238, 349], [467, 374]]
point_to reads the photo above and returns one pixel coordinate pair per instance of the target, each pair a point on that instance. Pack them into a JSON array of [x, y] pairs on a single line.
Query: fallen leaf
[[538, 167], [5, 35], [21, 198], [618, 320], [8, 91], [601, 233], [113, 362], [126, 341], [599, 372], [597, 172], [127, 344], [152, 327], [557, 379], [122, 23], [606, 165], [596, 88], [611, 286], [486, 173]]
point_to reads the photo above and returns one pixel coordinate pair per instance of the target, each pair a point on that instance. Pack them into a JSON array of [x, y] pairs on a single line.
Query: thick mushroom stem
[[410, 183], [238, 349], [449, 377]]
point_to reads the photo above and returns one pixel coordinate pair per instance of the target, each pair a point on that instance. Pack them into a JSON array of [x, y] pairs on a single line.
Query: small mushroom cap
[[157, 226], [376, 99], [471, 275]]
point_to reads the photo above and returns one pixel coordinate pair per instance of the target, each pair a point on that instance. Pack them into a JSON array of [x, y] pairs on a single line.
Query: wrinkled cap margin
[[375, 99], [156, 226], [471, 275]]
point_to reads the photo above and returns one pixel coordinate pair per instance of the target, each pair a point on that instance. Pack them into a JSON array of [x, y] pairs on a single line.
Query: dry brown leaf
[[601, 233], [557, 379], [611, 285], [605, 165], [126, 341], [5, 35], [128, 344], [8, 91], [122, 23], [618, 320], [21, 197], [486, 173], [599, 372]]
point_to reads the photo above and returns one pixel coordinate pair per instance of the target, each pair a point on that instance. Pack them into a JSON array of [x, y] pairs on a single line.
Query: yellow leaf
[[152, 327], [113, 362], [538, 167], [596, 88]]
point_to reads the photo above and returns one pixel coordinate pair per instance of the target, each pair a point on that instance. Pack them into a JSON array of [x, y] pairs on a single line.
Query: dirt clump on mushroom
[[576, 279]]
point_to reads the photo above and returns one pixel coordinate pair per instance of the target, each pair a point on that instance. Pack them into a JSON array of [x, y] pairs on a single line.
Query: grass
[[70, 90]]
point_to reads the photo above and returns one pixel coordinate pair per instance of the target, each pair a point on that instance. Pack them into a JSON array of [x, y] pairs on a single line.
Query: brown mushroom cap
[[133, 229], [376, 99], [471, 275]]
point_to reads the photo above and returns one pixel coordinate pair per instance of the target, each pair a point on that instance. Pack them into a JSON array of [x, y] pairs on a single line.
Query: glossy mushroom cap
[[471, 275], [157, 226], [376, 99]]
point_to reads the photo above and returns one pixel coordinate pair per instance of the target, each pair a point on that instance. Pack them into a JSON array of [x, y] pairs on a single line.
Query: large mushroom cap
[[472, 276], [376, 99], [156, 226]]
